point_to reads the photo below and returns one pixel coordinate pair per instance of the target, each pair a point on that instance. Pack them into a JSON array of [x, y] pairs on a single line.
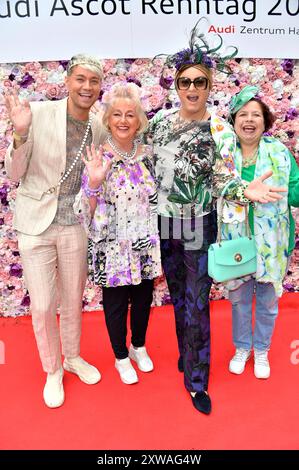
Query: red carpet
[[156, 413]]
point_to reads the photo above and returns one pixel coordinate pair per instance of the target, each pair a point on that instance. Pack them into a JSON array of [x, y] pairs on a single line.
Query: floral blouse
[[123, 234], [189, 169]]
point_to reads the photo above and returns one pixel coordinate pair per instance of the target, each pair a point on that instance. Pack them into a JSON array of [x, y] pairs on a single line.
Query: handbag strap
[[219, 221]]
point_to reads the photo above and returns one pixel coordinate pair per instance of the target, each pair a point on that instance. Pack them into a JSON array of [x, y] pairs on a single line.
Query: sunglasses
[[200, 83]]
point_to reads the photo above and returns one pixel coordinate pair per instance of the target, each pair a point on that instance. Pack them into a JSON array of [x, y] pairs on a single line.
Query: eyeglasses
[[200, 83]]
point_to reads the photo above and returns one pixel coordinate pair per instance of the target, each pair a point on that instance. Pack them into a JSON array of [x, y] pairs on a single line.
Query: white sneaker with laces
[[261, 365], [86, 372], [238, 362], [53, 390], [140, 356], [126, 371]]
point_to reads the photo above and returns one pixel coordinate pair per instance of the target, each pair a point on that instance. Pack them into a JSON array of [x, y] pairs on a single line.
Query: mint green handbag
[[231, 259]]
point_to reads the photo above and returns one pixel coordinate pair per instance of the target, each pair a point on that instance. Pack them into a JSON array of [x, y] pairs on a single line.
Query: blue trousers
[[265, 315], [186, 270]]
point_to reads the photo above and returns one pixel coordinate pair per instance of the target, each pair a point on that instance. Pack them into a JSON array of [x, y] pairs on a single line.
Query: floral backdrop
[[39, 81]]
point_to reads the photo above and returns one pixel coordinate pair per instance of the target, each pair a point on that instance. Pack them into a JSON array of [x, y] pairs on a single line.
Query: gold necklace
[[250, 159]]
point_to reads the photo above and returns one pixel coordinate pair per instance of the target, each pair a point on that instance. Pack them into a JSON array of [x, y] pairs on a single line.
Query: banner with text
[[57, 29]]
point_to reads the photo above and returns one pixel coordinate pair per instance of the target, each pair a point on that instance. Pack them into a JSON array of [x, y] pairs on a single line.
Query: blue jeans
[[265, 314]]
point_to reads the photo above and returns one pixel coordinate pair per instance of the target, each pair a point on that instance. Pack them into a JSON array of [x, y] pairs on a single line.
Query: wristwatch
[[19, 137]]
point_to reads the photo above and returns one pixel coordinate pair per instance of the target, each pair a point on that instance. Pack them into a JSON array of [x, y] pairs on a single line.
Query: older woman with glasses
[[192, 167]]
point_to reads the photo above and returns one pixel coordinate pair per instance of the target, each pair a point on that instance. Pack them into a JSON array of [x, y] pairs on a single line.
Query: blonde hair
[[127, 91], [205, 70], [86, 61]]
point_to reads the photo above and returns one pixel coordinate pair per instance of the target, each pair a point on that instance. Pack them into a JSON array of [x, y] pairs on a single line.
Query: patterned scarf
[[271, 220]]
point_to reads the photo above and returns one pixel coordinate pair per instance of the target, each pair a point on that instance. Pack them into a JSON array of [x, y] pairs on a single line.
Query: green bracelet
[[240, 194]]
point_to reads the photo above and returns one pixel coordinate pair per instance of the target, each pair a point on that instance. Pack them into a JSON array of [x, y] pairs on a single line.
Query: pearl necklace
[[79, 153], [122, 154]]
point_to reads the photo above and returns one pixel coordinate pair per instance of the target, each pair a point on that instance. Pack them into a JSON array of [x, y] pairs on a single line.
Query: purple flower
[[134, 177], [138, 169], [133, 80], [151, 113], [207, 61], [64, 63], [11, 77], [183, 57], [166, 299], [291, 114], [1, 221], [288, 65], [26, 80], [3, 195], [166, 82], [113, 281], [121, 180], [16, 270], [25, 301], [288, 287], [153, 240], [168, 105]]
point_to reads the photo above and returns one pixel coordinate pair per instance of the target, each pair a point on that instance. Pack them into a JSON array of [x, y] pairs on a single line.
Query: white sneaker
[[126, 371], [238, 362], [86, 372], [143, 360], [261, 365], [53, 390]]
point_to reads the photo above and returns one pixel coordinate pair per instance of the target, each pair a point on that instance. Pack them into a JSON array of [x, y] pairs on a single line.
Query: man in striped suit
[[45, 156]]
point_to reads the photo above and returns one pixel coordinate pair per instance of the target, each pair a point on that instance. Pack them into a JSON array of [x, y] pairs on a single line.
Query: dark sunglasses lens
[[201, 83], [184, 83]]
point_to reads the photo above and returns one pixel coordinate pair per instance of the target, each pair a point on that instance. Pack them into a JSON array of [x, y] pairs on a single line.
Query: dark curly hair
[[269, 117]]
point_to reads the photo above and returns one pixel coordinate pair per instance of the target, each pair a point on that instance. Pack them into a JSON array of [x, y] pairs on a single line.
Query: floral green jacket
[[190, 165]]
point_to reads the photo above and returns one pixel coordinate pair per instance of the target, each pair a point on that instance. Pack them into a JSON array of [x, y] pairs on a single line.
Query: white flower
[[295, 101], [278, 87], [56, 76], [257, 73]]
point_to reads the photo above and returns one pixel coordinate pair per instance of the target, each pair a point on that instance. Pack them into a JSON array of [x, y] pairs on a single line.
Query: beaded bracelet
[[93, 192], [240, 194]]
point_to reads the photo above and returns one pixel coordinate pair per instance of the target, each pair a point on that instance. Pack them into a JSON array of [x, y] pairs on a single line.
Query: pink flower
[[33, 67], [52, 65], [7, 84], [108, 64], [54, 91]]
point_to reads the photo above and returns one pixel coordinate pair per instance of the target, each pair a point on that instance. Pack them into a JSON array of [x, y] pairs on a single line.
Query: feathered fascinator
[[241, 98], [199, 52]]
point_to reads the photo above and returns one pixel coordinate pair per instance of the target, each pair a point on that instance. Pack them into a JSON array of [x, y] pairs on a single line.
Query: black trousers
[[115, 303]]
